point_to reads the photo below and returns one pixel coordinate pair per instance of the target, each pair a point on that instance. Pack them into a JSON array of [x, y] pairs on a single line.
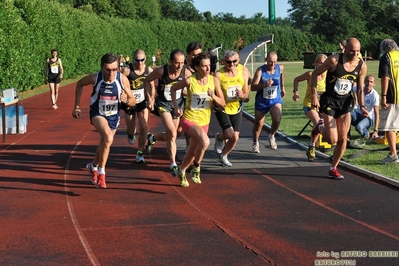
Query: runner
[[108, 94], [234, 84], [55, 72], [201, 94], [136, 72], [162, 105], [268, 82]]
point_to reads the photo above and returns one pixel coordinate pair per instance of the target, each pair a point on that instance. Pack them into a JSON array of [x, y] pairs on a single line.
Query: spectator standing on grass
[[136, 73], [203, 90], [337, 102], [55, 72], [110, 89], [122, 62], [154, 59], [388, 72], [234, 84], [268, 82], [361, 122], [310, 111]]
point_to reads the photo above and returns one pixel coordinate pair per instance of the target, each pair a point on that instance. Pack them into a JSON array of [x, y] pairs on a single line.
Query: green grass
[[294, 119]]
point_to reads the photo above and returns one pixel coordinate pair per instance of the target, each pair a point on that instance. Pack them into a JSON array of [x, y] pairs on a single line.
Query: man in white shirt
[[361, 122]]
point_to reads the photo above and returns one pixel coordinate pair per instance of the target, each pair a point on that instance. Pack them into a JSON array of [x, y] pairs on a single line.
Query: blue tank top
[[273, 92]]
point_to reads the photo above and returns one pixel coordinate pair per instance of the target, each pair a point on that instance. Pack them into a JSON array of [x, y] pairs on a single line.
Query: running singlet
[[105, 98], [199, 103], [339, 83], [165, 82], [137, 83], [320, 87], [273, 92], [53, 67], [229, 86]]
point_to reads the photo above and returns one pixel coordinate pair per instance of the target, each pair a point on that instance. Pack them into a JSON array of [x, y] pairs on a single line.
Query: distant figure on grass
[[110, 89], [310, 111], [337, 102], [202, 92], [136, 73], [55, 72], [268, 82], [160, 103], [388, 72], [234, 84]]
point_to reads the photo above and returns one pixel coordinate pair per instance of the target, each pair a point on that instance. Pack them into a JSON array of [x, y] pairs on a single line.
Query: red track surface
[[272, 208]]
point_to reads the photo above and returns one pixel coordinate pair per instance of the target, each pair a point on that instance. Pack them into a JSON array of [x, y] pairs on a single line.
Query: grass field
[[294, 119]]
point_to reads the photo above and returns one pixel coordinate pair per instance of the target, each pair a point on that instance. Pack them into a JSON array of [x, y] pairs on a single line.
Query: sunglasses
[[139, 60], [110, 70], [231, 62]]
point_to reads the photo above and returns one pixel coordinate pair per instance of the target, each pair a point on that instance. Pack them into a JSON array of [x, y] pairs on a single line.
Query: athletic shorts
[[166, 106], [334, 106], [113, 120], [54, 79], [187, 124], [134, 109], [226, 121], [264, 106], [389, 118]]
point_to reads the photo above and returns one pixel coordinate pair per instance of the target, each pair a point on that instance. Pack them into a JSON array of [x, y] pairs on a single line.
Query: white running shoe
[[218, 144], [224, 161], [273, 144], [255, 147]]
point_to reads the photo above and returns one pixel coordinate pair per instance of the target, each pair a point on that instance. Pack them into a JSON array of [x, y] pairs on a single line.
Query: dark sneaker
[[390, 159], [150, 142], [131, 139], [140, 158], [334, 174], [93, 173], [311, 153], [174, 169]]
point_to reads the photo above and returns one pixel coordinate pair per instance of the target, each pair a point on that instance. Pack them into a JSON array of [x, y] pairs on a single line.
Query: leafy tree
[[180, 10]]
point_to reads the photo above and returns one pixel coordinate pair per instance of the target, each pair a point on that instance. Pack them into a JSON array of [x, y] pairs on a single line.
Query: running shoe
[[316, 130], [195, 175], [150, 142], [218, 144], [390, 159], [311, 153], [334, 174], [140, 158], [183, 179], [101, 181], [224, 161], [93, 173], [131, 139], [174, 169], [55, 106], [255, 147], [273, 144]]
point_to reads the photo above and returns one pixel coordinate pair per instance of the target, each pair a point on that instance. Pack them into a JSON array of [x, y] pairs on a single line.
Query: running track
[[272, 208]]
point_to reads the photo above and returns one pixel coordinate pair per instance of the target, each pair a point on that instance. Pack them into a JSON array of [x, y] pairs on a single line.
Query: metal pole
[[272, 12]]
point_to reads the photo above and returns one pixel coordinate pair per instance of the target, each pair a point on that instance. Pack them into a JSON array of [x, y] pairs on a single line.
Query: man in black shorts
[[337, 102]]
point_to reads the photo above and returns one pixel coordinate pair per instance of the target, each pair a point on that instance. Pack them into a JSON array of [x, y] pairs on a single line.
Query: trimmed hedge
[[29, 29]]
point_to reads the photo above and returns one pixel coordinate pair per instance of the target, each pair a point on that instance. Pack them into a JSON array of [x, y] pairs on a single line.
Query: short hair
[[388, 45], [138, 51], [54, 50], [192, 46], [319, 56], [175, 52], [229, 53], [199, 57], [108, 58]]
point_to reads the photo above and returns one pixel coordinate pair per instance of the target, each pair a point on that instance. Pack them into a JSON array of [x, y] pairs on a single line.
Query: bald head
[[352, 49]]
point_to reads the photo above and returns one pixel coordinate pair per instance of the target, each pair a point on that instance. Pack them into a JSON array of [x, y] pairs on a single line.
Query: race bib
[[166, 93], [200, 101], [270, 92], [232, 92], [108, 107], [54, 69], [343, 86], [138, 95]]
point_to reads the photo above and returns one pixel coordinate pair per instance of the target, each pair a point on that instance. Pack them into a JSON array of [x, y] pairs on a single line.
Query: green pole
[[272, 12]]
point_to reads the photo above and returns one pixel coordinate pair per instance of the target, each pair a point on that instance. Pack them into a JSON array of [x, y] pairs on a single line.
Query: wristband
[[375, 130], [383, 95], [294, 90]]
